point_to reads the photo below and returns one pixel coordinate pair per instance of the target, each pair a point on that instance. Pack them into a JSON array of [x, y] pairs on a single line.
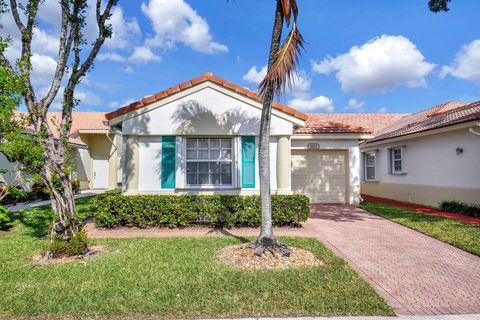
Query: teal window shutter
[[168, 162], [248, 162]]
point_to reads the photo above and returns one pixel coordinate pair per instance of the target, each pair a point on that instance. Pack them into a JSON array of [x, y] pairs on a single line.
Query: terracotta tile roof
[[330, 123], [81, 121], [443, 115], [208, 76]]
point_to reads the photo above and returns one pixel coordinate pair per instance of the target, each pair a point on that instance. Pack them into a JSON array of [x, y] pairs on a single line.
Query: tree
[[438, 5], [281, 69], [50, 156]]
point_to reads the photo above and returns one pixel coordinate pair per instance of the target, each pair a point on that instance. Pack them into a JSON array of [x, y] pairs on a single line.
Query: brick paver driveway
[[415, 273]]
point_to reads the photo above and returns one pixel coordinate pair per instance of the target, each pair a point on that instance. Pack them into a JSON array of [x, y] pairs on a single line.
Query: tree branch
[[16, 15], [63, 53]]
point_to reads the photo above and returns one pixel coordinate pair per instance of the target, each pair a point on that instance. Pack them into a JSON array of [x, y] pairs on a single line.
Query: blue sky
[[361, 56]]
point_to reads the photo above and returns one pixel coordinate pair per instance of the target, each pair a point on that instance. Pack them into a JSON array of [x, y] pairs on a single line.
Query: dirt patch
[[242, 257], [93, 251]]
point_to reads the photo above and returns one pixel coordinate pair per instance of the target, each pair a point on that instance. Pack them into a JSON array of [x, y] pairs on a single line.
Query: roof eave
[[428, 132]]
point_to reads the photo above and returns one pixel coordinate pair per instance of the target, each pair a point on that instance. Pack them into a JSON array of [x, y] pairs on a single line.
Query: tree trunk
[[267, 240], [66, 224]]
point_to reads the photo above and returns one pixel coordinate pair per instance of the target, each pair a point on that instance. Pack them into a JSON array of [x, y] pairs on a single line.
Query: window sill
[[398, 173], [190, 188]]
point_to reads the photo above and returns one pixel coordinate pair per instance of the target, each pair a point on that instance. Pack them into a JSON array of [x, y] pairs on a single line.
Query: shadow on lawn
[[37, 220]]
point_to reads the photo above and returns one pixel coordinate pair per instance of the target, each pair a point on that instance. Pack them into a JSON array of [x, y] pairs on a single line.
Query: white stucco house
[[426, 157], [202, 137]]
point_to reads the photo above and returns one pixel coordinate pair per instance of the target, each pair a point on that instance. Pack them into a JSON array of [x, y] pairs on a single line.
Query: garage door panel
[[321, 175]]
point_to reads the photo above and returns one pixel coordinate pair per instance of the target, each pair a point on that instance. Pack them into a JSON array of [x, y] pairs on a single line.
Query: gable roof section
[[80, 121], [208, 76], [440, 116], [330, 123]]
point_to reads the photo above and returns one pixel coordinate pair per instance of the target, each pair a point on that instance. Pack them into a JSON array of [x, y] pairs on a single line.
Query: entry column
[[131, 163], [283, 164]]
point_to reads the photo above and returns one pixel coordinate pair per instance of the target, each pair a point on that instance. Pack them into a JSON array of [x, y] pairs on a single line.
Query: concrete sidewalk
[[29, 205]]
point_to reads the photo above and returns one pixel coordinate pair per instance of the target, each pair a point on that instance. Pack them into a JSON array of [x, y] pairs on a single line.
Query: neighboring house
[[94, 152], [426, 157], [202, 137]]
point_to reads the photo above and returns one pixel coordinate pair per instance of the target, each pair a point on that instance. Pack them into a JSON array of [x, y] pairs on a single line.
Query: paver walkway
[[416, 274]]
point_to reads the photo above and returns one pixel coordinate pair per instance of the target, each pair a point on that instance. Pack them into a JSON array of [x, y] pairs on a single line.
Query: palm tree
[[281, 69]]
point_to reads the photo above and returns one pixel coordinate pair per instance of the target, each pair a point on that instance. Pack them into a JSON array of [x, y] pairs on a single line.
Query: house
[[426, 157], [93, 147], [202, 137]]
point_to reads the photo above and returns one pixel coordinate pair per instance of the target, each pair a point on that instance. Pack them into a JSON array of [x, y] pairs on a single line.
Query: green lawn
[[171, 277], [463, 235]]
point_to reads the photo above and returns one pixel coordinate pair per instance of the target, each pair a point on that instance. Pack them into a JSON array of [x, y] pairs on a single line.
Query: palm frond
[[282, 71], [289, 7]]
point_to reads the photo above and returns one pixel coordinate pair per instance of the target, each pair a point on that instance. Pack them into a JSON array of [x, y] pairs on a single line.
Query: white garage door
[[320, 174]]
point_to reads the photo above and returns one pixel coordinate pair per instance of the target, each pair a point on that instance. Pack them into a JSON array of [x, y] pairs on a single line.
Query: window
[[209, 161], [397, 160], [370, 166]]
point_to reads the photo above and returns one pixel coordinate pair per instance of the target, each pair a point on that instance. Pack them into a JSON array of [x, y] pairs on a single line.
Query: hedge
[[461, 208], [183, 210]]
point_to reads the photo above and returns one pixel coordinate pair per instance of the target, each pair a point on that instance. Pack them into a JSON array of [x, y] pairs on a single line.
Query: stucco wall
[[206, 112], [434, 171], [149, 167], [100, 146]]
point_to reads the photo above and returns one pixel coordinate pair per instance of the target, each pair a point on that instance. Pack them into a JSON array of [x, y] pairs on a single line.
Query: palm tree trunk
[[267, 240]]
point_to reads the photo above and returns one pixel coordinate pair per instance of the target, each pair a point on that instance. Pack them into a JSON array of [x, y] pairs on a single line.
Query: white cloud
[[143, 54], [113, 104], [43, 68], [354, 104], [175, 21], [125, 30], [382, 110], [128, 69], [300, 82], [255, 76], [466, 64], [380, 65], [88, 98], [111, 56], [320, 103], [300, 85]]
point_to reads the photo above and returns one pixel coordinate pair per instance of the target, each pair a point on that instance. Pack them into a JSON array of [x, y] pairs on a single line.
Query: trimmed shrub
[[13, 195], [461, 208], [77, 245], [179, 211], [39, 191], [5, 222]]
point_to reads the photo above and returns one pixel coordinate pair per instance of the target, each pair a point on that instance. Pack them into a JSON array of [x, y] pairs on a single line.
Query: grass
[[171, 277], [462, 235]]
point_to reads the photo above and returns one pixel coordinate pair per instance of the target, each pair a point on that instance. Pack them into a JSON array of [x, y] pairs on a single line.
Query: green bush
[[5, 222], [13, 194], [178, 211], [461, 208], [77, 245]]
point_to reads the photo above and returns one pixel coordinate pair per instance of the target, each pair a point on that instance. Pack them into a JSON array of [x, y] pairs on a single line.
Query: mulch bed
[[242, 257]]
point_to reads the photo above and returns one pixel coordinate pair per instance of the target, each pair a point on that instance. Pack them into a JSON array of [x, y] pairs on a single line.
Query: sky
[[372, 56]]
